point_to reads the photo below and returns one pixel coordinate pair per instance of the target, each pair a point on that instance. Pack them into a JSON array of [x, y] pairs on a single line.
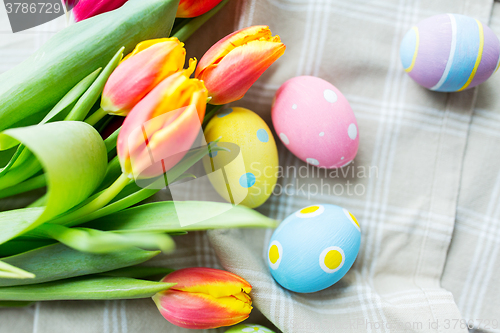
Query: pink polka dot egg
[[315, 122]]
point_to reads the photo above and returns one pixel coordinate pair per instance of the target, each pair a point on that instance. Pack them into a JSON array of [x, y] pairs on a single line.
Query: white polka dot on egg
[[284, 138], [330, 95], [312, 161], [332, 259], [352, 131], [322, 134], [294, 106]]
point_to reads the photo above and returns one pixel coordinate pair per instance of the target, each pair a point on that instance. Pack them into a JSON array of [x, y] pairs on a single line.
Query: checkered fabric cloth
[[429, 210]]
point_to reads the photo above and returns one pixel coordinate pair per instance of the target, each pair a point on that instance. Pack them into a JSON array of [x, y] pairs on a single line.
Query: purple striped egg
[[450, 52]]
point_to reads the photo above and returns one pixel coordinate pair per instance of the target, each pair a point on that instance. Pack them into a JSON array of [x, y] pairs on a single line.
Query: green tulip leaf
[[11, 272], [135, 194], [28, 185], [72, 96], [57, 261], [97, 241], [85, 288], [6, 156], [85, 103], [74, 158], [39, 82], [23, 168], [64, 104], [13, 160], [163, 217]]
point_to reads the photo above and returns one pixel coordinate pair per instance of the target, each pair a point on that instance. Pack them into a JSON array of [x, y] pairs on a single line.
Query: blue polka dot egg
[[248, 178], [314, 248]]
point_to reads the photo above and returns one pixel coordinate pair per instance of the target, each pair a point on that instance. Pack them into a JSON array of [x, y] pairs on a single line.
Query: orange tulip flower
[[204, 298], [139, 72], [233, 64], [163, 126]]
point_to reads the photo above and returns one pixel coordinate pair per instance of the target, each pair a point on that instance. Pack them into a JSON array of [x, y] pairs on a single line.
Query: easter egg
[[249, 328], [450, 52], [249, 178], [314, 248], [315, 122]]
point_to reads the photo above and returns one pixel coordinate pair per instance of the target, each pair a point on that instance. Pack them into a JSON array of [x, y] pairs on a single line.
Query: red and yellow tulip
[[235, 62], [139, 72], [163, 126], [204, 298], [192, 8]]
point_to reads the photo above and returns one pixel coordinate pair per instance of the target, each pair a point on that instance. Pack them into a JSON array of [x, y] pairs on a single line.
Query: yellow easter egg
[[246, 173]]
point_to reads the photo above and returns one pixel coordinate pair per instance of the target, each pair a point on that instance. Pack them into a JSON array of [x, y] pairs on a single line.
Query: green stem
[[114, 207], [187, 30], [179, 23], [10, 271], [30, 184], [112, 172], [110, 141], [88, 99], [12, 160], [102, 200], [20, 174], [210, 114], [96, 116]]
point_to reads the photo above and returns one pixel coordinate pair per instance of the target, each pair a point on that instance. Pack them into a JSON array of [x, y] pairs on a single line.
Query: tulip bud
[[204, 298], [140, 71], [163, 126], [233, 64], [192, 8], [88, 8]]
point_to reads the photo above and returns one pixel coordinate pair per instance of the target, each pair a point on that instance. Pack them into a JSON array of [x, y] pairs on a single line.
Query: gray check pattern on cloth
[[429, 216]]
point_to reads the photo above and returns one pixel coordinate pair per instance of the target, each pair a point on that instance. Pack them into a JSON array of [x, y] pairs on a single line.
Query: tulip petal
[[234, 63], [89, 8], [140, 72], [245, 65], [230, 42], [148, 43], [205, 298], [210, 281], [163, 126], [201, 311], [192, 8]]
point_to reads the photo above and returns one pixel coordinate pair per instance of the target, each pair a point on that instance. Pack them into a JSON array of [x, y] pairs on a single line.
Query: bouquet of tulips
[[84, 238]]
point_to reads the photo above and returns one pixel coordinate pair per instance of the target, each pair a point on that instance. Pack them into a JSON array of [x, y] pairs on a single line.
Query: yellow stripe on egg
[[417, 44], [479, 56]]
